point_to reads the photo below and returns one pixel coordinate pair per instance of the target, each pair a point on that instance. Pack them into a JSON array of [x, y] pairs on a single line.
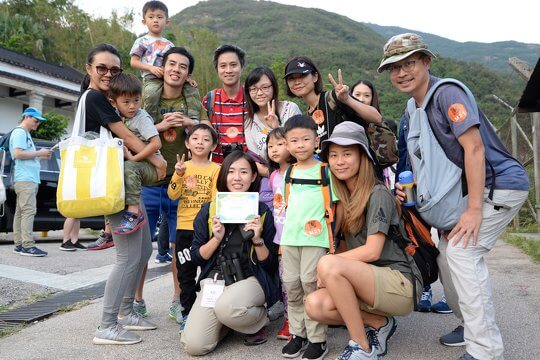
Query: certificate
[[237, 207]]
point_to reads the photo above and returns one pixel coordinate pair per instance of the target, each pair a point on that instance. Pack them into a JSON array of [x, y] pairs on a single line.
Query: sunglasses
[[103, 70]]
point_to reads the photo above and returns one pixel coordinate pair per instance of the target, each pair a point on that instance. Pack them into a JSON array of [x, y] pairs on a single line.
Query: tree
[[53, 129], [21, 33]]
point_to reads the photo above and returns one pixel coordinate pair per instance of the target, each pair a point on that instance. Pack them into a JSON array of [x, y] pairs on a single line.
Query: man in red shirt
[[226, 106]]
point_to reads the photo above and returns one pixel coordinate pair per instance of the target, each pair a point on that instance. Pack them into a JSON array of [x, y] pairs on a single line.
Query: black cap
[[298, 67]]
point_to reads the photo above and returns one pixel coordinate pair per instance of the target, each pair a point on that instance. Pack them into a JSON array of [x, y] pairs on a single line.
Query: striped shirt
[[227, 117]]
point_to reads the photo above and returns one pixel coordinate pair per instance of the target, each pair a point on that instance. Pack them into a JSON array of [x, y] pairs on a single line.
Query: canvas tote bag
[[91, 179]]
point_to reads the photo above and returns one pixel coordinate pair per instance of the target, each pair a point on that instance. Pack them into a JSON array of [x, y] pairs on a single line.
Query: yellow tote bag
[[91, 179]]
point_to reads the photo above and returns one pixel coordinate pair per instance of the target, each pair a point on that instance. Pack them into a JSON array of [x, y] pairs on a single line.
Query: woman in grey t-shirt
[[370, 283]]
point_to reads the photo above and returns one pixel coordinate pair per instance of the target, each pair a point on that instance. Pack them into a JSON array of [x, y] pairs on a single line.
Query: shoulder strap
[[210, 101], [211, 213]]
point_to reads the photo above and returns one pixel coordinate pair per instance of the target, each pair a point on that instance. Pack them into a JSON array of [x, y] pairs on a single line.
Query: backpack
[[382, 141], [413, 237], [210, 102], [7, 158], [441, 188], [324, 183]]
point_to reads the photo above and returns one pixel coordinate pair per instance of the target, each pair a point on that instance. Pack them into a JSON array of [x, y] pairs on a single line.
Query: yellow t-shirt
[[196, 187]]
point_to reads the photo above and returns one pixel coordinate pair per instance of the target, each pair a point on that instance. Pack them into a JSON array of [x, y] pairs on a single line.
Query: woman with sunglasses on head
[[264, 113], [133, 250]]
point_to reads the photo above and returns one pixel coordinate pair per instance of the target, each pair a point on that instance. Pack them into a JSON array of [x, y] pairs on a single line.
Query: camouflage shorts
[[136, 175]]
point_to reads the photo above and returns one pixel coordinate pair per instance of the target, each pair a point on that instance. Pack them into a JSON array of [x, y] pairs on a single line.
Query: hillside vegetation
[[271, 33]]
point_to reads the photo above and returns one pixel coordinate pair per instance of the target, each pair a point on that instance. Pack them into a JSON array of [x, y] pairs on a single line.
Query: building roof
[[60, 71], [530, 99]]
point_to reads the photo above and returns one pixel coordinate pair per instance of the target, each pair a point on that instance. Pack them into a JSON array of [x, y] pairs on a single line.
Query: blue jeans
[[157, 202]]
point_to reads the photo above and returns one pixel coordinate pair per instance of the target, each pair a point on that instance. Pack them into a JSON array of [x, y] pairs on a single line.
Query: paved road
[[69, 335]]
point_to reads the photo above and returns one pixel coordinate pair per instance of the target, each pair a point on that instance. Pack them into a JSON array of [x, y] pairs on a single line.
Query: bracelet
[[260, 243]]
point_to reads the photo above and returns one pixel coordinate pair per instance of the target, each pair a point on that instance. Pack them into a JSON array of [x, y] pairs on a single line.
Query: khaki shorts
[[393, 293]]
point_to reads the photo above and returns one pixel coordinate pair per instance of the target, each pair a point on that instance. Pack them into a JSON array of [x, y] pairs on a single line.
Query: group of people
[[318, 181]]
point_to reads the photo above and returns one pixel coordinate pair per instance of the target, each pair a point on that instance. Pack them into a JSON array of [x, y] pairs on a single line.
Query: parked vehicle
[[47, 216]]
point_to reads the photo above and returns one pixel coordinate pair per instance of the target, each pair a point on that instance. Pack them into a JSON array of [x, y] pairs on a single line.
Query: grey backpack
[[440, 188]]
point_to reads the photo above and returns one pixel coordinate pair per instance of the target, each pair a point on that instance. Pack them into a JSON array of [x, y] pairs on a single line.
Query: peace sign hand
[[180, 166], [271, 119], [342, 91]]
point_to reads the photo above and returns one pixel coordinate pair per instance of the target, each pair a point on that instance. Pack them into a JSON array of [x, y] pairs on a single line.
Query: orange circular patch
[[457, 113], [191, 182], [232, 132], [170, 135], [278, 199], [318, 116], [313, 228]]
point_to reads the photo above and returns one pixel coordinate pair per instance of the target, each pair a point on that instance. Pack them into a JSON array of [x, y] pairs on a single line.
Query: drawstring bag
[[91, 179]]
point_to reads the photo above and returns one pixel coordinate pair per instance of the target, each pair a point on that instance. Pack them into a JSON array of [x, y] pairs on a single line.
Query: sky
[[466, 20]]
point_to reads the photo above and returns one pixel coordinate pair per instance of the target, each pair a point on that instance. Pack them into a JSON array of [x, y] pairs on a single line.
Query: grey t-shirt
[[142, 125], [381, 213], [451, 115]]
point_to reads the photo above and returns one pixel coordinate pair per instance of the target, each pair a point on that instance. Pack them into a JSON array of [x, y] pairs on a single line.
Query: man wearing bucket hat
[[26, 181], [469, 141]]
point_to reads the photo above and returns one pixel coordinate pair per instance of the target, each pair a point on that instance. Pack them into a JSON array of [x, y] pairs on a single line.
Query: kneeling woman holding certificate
[[233, 245]]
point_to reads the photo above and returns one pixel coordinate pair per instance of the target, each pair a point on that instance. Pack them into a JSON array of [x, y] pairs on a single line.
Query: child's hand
[[157, 71], [180, 166], [192, 82], [271, 119], [127, 154]]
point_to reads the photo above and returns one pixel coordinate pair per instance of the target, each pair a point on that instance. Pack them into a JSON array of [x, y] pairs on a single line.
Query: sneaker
[[454, 338], [17, 249], [79, 246], [379, 338], [276, 311], [129, 223], [425, 301], [354, 352], [284, 334], [175, 311], [260, 337], [294, 347], [33, 251], [135, 321], [316, 351], [182, 325], [140, 308], [467, 356], [441, 307], [163, 259], [104, 241], [115, 335], [67, 246]]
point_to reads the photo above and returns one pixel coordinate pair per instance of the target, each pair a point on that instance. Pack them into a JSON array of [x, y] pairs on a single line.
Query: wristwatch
[[260, 243]]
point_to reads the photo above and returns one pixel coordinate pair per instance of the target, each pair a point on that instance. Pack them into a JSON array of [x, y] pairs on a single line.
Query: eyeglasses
[[407, 66], [253, 90], [103, 70]]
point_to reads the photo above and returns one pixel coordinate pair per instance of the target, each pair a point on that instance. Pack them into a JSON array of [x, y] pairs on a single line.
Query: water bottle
[[406, 179]]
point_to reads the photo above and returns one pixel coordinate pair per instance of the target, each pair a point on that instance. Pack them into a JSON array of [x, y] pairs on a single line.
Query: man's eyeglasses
[[407, 66], [103, 70], [253, 90]]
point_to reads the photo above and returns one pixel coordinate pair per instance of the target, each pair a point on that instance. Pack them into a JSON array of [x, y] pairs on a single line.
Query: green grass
[[72, 307], [11, 330], [528, 246]]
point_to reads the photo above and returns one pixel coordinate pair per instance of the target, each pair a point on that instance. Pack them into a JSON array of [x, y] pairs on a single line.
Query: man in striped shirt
[[226, 106]]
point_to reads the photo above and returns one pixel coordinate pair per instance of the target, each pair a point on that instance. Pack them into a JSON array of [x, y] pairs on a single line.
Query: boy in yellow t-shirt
[[194, 183]]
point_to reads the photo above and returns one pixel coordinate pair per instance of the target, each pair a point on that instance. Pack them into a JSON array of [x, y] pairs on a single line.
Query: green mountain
[[271, 33], [492, 55]]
